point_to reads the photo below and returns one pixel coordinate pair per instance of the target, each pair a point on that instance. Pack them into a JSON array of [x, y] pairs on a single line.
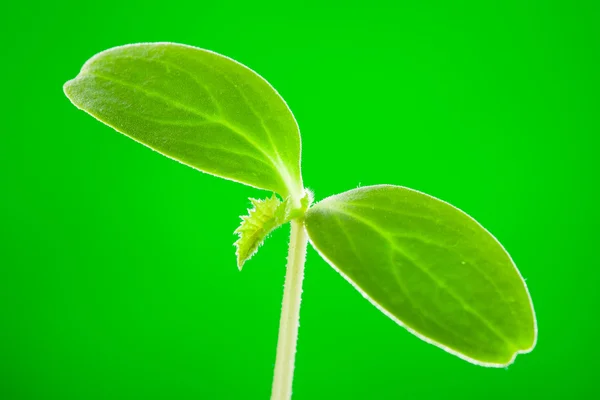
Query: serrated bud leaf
[[266, 216]]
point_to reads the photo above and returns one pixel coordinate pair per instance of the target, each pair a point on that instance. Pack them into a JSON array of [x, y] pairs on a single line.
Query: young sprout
[[424, 263]]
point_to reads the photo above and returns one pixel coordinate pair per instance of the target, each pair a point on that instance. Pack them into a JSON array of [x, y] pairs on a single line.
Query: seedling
[[424, 263]]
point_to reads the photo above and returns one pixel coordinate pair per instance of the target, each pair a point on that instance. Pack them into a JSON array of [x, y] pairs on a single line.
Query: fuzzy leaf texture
[[430, 267], [266, 216], [195, 106]]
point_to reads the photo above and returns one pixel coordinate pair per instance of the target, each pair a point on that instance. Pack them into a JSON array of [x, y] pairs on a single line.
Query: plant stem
[[290, 313]]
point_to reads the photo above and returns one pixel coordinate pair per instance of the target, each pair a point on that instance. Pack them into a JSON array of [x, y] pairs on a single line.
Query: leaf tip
[[66, 87], [240, 263]]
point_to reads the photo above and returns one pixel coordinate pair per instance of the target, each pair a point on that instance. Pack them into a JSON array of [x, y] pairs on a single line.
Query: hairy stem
[[290, 313]]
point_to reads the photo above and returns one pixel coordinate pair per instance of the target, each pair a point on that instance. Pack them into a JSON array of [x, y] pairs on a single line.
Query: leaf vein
[[168, 64], [432, 276], [471, 262], [177, 104]]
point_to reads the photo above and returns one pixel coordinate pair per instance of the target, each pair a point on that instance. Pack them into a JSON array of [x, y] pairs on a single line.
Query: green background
[[118, 277]]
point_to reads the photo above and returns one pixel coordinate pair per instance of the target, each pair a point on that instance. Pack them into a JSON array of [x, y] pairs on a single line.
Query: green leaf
[[195, 106], [261, 220], [265, 216], [430, 267]]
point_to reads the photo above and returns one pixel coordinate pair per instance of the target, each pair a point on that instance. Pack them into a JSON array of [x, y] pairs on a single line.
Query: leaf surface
[[430, 267], [195, 106]]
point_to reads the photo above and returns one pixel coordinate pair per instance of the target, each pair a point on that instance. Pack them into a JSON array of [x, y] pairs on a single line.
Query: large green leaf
[[198, 107], [430, 267]]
